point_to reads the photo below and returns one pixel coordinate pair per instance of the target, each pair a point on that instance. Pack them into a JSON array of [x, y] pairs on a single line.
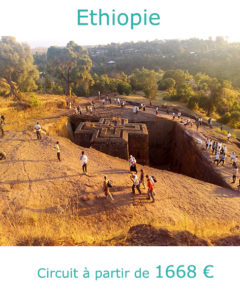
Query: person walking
[[197, 124], [58, 151], [84, 160], [38, 131], [1, 126], [150, 192], [210, 123], [216, 158], [228, 136], [136, 183], [142, 178], [232, 156], [132, 164], [235, 173], [2, 155], [106, 186], [223, 156]]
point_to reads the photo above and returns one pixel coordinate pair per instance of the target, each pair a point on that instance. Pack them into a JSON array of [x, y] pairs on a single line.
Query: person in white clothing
[[84, 161], [136, 183], [132, 164], [216, 158], [232, 156], [135, 109], [38, 131], [58, 151], [228, 135]]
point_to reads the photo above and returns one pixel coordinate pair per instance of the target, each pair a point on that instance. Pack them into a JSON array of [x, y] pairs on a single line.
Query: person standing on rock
[[173, 115], [136, 183], [58, 151], [150, 192], [38, 131], [84, 161], [106, 185]]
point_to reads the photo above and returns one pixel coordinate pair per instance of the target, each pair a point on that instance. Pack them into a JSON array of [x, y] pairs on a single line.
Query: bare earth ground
[[46, 202]]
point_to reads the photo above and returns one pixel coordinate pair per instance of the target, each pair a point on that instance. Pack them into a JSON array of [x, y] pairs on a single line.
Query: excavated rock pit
[[172, 148]]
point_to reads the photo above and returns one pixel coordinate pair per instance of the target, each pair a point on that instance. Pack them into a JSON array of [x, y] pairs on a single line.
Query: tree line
[[127, 68]]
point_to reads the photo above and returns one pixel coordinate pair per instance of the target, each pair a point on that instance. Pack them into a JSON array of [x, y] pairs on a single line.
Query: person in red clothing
[[150, 189]]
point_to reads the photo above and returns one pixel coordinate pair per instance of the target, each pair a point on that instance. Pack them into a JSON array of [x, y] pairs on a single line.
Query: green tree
[[145, 80], [124, 88], [184, 91], [177, 75], [71, 65], [17, 71], [166, 84]]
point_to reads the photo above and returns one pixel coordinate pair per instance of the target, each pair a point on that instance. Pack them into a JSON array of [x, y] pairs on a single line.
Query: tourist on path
[[2, 155], [136, 183], [132, 164], [1, 126], [228, 136], [232, 156], [38, 131], [216, 158], [222, 159], [106, 186], [142, 179], [235, 173], [197, 124], [235, 161], [84, 161], [150, 189], [58, 150]]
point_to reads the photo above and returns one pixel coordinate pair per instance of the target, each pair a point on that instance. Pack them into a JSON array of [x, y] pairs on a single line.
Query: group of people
[[136, 182], [109, 100], [217, 149], [220, 153], [78, 110]]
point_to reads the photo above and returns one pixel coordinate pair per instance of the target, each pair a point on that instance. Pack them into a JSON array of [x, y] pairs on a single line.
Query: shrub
[[34, 101]]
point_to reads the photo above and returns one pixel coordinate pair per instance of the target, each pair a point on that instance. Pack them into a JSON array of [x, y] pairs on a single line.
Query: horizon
[[46, 44]]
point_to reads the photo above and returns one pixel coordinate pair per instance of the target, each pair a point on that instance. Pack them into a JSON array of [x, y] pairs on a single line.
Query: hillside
[[46, 202]]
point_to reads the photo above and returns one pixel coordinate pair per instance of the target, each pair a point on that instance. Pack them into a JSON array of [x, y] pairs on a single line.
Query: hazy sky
[[51, 22]]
